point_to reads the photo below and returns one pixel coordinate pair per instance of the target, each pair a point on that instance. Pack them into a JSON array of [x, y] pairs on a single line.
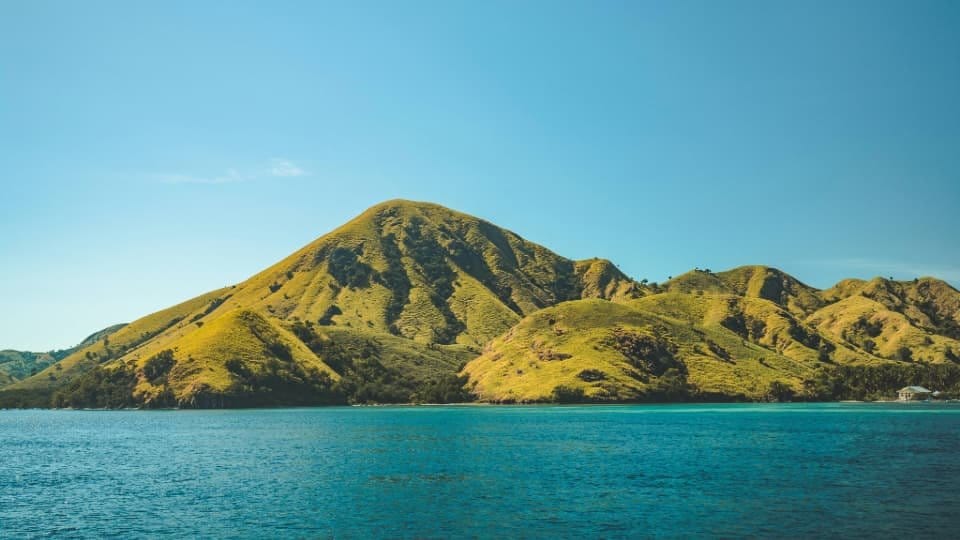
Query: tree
[[156, 368], [779, 391], [904, 354], [669, 387], [568, 394]]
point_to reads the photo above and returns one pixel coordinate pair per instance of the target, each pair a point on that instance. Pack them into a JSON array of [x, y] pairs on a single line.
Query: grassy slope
[[600, 278], [843, 321], [415, 360], [494, 277], [18, 365], [202, 356], [527, 363], [761, 282], [771, 326], [927, 303], [423, 283], [126, 341], [753, 319], [422, 289]]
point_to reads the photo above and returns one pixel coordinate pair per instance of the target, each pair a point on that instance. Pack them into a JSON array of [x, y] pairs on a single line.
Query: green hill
[[662, 347], [425, 286], [754, 282], [415, 302], [748, 333], [18, 365]]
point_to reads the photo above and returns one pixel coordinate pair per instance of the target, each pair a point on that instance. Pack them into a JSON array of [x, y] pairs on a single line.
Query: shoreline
[[490, 405]]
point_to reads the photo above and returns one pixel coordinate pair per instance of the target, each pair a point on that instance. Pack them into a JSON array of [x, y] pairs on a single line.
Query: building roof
[[915, 390]]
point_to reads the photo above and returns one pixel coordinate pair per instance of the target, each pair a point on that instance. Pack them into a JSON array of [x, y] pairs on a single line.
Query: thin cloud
[[278, 168], [231, 176], [285, 168]]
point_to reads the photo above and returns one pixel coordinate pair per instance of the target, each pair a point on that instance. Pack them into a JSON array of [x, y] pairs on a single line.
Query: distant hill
[[18, 365], [415, 302]]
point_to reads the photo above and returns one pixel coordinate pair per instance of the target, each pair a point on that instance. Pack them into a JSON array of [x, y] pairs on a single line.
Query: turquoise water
[[838, 470]]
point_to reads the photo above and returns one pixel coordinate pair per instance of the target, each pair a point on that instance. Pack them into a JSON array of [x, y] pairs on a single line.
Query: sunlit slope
[[873, 328], [761, 282], [421, 272], [421, 284], [733, 333], [602, 351], [19, 365], [125, 341], [927, 303], [600, 278], [222, 357], [245, 357], [392, 305], [922, 315], [758, 321]]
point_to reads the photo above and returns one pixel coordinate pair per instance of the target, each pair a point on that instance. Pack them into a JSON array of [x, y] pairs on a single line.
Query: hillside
[[761, 282], [429, 284], [746, 333], [18, 365], [604, 351], [415, 302], [663, 347]]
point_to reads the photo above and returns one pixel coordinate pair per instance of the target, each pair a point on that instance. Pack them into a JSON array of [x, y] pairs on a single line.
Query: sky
[[153, 151]]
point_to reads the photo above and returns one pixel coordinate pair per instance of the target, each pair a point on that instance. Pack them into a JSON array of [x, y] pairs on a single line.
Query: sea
[[839, 470]]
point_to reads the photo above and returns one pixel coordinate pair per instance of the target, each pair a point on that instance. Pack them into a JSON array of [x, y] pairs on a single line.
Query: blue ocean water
[[791, 470]]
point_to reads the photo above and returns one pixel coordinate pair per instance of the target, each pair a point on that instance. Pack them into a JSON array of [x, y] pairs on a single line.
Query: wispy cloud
[[285, 168], [231, 176], [881, 267], [278, 168]]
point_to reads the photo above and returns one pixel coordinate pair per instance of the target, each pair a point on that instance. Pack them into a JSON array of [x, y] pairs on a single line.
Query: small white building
[[913, 393]]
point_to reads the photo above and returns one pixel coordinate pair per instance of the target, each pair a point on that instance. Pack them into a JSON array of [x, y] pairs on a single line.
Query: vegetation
[[19, 365], [412, 302], [345, 266], [102, 387], [879, 381], [156, 368], [653, 354]]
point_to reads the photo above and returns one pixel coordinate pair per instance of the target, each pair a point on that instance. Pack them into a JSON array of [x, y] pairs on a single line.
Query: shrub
[[778, 391], [903, 354], [345, 266], [567, 394], [824, 351], [448, 388], [653, 354], [591, 375], [280, 351], [156, 368], [327, 318], [872, 329], [237, 367]]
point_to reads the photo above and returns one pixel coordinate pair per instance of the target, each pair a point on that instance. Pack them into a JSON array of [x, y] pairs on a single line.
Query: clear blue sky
[[152, 151]]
